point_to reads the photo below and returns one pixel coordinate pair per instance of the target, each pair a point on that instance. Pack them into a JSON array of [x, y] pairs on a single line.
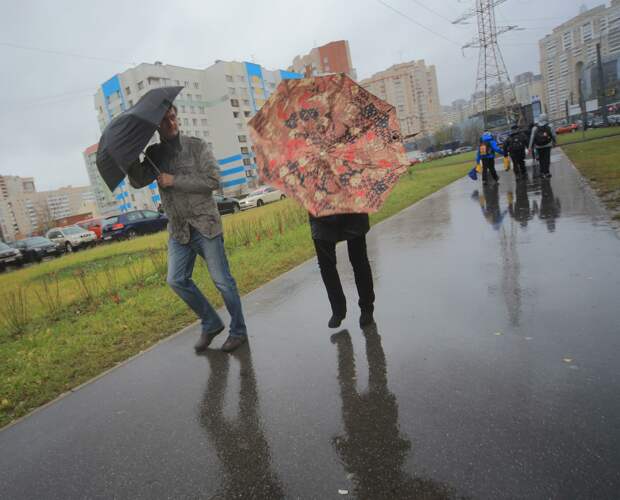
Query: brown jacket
[[196, 175]]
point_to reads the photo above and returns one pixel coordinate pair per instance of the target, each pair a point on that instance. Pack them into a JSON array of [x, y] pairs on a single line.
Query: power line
[[438, 14], [64, 53], [410, 19]]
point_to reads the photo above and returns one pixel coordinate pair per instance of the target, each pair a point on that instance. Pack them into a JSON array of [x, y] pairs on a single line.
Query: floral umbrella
[[330, 144]]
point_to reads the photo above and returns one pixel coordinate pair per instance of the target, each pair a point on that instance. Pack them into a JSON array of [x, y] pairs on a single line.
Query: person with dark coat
[[516, 146], [542, 140], [486, 154], [352, 228]]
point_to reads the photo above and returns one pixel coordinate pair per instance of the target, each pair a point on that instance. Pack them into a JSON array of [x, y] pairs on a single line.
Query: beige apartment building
[[24, 211], [570, 48], [412, 89], [333, 57]]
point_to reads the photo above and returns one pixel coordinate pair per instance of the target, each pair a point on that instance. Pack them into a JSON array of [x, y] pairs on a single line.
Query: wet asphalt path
[[493, 373]]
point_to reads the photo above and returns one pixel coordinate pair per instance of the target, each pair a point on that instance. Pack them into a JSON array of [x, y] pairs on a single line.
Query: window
[[195, 85], [201, 110], [186, 83], [245, 150], [130, 103], [246, 114], [185, 121], [177, 83], [140, 85], [232, 91], [234, 103], [150, 214], [134, 216], [182, 108], [199, 97], [210, 145], [240, 126], [246, 102], [194, 122], [206, 133], [247, 162], [240, 78], [236, 114], [128, 90], [192, 110], [242, 138], [204, 122], [189, 97], [229, 78], [567, 40], [586, 32]]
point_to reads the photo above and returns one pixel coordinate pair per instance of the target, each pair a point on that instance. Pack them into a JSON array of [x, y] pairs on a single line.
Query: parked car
[[567, 129], [71, 237], [95, 225], [132, 224], [35, 249], [259, 197], [227, 205], [614, 120], [9, 257]]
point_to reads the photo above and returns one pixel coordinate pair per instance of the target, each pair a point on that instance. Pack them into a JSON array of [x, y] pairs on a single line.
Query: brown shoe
[[233, 343], [206, 338]]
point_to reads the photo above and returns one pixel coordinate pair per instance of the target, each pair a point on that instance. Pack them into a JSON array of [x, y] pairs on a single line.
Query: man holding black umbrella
[[187, 175]]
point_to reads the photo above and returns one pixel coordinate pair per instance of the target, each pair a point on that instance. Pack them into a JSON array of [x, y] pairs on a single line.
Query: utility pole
[[492, 73], [601, 83], [584, 114]]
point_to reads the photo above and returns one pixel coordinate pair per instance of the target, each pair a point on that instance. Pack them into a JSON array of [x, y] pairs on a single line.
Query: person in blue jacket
[[486, 153]]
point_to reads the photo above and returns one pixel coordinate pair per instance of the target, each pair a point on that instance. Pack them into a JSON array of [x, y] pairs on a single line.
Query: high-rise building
[[24, 211], [570, 48], [411, 88], [333, 57], [105, 199], [529, 88], [215, 105]]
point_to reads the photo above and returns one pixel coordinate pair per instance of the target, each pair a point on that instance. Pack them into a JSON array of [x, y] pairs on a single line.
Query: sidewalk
[[493, 373]]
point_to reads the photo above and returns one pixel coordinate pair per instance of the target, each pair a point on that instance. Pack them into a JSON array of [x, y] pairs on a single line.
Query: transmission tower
[[492, 74]]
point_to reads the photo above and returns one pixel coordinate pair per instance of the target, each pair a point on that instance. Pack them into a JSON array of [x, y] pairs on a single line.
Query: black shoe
[[206, 338], [366, 319], [233, 343], [335, 320]]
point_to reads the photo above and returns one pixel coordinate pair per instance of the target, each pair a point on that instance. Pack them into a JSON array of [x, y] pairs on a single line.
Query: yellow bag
[[506, 163], [479, 167]]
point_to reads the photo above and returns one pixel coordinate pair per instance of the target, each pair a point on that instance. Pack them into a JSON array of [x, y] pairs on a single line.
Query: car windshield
[[37, 241], [4, 247], [111, 220], [73, 230], [257, 192]]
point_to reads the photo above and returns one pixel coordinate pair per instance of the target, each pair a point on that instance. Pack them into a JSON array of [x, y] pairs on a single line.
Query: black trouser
[[518, 162], [488, 164], [326, 254], [544, 157]]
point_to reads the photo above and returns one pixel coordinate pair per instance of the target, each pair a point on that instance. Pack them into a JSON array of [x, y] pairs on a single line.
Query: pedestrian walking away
[[542, 139], [515, 147], [352, 228], [486, 154], [187, 175]]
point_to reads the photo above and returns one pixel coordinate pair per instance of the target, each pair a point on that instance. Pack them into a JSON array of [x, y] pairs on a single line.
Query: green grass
[[599, 162], [74, 317], [453, 160], [590, 134]]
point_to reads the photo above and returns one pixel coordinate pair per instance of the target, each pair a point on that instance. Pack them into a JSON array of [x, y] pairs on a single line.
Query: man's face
[[169, 127]]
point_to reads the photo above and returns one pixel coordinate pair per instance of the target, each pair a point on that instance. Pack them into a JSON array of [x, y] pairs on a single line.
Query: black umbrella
[[127, 135]]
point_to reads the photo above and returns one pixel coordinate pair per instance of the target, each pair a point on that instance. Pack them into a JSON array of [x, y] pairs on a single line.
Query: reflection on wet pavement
[[373, 450], [240, 443]]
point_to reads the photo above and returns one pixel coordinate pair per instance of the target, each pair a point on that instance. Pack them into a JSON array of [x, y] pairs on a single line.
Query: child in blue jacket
[[486, 153]]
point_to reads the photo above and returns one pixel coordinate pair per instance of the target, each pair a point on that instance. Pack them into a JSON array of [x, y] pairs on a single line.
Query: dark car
[[9, 257], [226, 205], [132, 224], [35, 249]]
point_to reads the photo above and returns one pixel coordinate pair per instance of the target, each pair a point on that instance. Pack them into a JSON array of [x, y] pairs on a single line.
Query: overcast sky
[[46, 98]]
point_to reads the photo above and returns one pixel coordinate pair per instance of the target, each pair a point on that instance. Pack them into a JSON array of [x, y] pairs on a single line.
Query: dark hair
[[172, 106]]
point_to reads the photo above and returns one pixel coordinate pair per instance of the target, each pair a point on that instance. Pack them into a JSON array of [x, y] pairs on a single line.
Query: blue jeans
[[181, 259]]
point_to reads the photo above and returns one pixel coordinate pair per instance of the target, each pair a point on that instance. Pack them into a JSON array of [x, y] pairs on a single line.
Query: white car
[[71, 237], [259, 197]]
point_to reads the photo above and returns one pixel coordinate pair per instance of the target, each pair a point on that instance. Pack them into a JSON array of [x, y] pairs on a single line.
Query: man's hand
[[165, 180]]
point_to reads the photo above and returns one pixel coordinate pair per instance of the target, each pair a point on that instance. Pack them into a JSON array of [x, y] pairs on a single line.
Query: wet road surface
[[492, 373]]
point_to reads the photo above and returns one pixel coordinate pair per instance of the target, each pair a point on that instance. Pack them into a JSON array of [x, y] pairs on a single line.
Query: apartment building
[[333, 57], [215, 105], [570, 48], [412, 89]]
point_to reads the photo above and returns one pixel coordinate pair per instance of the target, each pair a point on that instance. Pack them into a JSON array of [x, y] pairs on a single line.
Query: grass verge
[[599, 162], [82, 314]]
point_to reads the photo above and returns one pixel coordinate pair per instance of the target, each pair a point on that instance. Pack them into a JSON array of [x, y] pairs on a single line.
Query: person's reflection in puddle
[[373, 450], [239, 442], [489, 204], [519, 207], [549, 205]]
